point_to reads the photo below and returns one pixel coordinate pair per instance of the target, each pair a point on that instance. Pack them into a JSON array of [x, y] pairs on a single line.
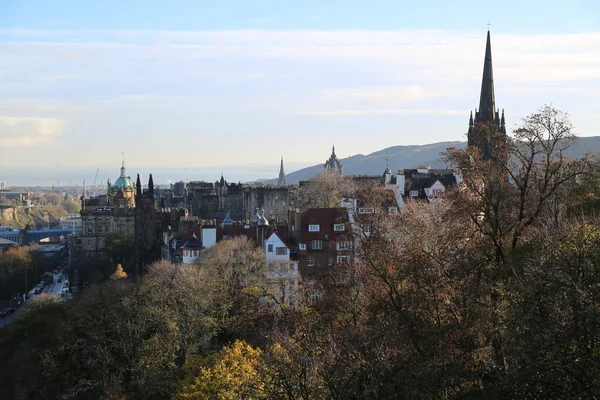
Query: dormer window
[[414, 193], [339, 227], [366, 210], [313, 228], [393, 210]]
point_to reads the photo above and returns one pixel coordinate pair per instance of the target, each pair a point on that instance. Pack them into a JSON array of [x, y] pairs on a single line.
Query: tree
[[511, 192], [119, 273], [326, 190], [235, 372], [13, 259]]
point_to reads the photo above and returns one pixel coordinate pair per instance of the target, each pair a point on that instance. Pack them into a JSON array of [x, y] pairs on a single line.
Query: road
[[55, 288]]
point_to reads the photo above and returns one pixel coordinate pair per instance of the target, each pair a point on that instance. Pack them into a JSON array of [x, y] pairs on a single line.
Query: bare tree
[[326, 190], [509, 193]]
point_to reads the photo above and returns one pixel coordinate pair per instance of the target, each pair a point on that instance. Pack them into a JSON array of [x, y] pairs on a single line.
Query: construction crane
[[95, 179]]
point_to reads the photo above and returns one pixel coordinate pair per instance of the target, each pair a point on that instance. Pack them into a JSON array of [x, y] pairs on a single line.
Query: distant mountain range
[[400, 157]]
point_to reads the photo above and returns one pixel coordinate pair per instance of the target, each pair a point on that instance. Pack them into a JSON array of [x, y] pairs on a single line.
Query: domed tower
[[124, 186]]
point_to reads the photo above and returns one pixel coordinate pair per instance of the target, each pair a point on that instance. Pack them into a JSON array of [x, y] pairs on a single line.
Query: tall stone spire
[[487, 100], [282, 178], [487, 113]]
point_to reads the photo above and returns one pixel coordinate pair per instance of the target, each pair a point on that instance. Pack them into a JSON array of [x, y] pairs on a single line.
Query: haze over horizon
[[211, 87]]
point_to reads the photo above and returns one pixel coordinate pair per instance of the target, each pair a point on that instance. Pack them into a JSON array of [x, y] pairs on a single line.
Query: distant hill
[[400, 157]]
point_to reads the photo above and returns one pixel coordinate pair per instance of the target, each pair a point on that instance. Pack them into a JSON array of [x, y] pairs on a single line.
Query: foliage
[[235, 372], [119, 273], [13, 259]]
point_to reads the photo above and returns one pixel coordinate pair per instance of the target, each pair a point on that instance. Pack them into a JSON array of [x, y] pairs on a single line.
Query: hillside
[[399, 157]]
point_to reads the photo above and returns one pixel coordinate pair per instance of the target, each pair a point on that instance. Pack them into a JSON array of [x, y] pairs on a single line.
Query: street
[[55, 288]]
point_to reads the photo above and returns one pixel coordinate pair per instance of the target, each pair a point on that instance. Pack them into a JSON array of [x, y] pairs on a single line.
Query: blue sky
[[230, 84]]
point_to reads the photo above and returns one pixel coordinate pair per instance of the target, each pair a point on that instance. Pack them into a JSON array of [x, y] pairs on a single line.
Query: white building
[[276, 249], [191, 250], [282, 272]]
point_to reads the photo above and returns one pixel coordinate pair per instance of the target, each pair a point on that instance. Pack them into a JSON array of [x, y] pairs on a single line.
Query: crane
[[94, 184]]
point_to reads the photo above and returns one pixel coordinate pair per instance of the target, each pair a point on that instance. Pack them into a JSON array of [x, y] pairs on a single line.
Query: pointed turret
[[138, 187], [151, 186], [282, 178]]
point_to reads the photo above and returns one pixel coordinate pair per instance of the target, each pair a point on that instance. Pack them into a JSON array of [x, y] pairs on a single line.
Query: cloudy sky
[[233, 85]]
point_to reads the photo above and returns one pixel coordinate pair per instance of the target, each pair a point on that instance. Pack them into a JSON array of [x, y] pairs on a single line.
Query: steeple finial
[[471, 120], [123, 171], [487, 101]]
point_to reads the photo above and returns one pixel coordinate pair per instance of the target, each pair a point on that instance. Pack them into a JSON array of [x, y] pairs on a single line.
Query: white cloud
[[209, 85], [29, 132]]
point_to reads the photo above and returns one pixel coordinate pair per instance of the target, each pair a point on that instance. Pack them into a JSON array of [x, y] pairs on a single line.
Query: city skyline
[[238, 86]]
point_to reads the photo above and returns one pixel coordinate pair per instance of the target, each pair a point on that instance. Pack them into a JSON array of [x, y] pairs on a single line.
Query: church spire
[[282, 178], [478, 135], [487, 101]]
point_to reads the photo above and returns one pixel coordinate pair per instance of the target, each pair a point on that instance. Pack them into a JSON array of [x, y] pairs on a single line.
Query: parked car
[[38, 290]]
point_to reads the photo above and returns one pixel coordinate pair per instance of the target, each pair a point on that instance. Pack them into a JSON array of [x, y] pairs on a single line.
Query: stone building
[[113, 212], [126, 209]]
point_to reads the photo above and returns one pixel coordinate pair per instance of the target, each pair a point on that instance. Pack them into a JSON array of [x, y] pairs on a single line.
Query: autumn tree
[[119, 273], [235, 372], [325, 190], [512, 191]]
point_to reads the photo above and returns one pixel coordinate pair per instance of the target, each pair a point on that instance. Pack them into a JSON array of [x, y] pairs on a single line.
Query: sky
[[209, 86]]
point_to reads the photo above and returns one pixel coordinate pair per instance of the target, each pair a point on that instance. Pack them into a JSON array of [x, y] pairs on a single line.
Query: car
[[37, 290], [59, 279]]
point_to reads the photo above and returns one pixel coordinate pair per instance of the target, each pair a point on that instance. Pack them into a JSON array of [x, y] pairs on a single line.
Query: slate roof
[[193, 242]]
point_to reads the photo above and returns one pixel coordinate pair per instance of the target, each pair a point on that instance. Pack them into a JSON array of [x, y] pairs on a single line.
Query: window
[[89, 242], [313, 228], [281, 251], [339, 227], [414, 193], [393, 210], [269, 248], [310, 261], [317, 244], [302, 246], [435, 192], [366, 228], [100, 243], [344, 245], [343, 258], [330, 261], [366, 210]]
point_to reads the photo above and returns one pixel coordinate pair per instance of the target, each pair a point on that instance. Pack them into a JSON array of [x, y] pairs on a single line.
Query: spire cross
[[488, 25]]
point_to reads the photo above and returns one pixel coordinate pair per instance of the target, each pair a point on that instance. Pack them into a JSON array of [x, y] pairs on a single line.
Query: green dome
[[123, 182]]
